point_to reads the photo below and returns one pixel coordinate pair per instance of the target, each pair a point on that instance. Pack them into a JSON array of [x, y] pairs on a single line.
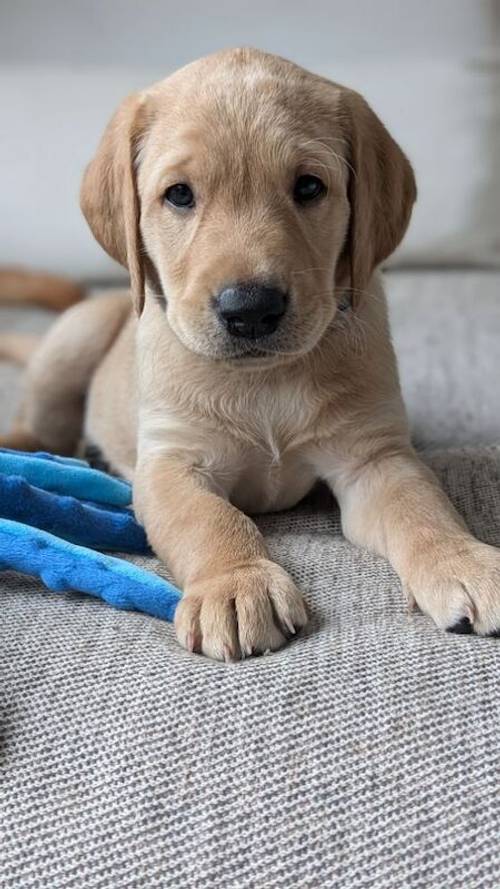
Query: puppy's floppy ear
[[382, 191], [109, 197]]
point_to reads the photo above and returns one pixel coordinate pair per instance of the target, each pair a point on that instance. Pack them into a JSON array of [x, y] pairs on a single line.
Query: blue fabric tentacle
[[64, 566]]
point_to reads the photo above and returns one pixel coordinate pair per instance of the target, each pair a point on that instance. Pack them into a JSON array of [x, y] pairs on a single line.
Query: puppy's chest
[[274, 419], [251, 441], [266, 467]]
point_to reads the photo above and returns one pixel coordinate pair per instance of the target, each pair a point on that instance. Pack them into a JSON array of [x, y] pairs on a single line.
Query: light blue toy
[[52, 509]]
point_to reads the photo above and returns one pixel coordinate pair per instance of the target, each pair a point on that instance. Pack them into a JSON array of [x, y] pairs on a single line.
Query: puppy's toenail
[[290, 626], [463, 627]]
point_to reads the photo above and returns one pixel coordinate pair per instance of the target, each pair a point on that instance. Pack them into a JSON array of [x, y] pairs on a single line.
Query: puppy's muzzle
[[251, 310]]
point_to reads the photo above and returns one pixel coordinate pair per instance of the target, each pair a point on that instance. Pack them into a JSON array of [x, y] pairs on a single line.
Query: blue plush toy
[[52, 509]]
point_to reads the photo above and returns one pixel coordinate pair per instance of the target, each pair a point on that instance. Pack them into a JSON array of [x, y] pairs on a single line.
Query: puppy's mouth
[[294, 337], [249, 354], [279, 348], [291, 342], [257, 360], [247, 350]]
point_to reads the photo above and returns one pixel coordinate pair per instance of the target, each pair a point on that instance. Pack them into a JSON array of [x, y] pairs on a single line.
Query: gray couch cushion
[[363, 755], [446, 328]]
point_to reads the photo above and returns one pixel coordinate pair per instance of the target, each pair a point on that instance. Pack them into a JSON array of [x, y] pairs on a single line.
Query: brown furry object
[[18, 285]]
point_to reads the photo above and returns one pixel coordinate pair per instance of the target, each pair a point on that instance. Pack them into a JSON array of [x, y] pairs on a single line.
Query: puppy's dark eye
[[180, 195], [308, 188]]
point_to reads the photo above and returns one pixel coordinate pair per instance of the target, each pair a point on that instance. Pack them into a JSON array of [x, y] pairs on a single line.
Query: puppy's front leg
[[236, 601], [392, 504]]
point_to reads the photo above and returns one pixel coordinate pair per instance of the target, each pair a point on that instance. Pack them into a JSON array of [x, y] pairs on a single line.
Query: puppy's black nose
[[251, 310]]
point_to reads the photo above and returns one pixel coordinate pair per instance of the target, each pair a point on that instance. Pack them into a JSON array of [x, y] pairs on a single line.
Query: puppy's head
[[243, 194]]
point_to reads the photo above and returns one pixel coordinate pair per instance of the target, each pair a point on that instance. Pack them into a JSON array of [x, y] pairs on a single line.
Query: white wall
[[169, 33]]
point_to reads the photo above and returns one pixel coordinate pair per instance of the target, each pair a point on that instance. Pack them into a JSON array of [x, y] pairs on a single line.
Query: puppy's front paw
[[459, 587], [248, 610]]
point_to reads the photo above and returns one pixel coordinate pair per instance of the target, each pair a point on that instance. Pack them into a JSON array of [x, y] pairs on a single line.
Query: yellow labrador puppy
[[252, 203]]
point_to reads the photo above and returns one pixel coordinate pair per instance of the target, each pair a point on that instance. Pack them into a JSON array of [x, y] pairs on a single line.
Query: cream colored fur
[[208, 433]]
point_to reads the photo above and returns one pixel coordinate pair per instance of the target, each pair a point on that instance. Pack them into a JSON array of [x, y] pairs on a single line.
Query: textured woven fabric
[[365, 755]]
